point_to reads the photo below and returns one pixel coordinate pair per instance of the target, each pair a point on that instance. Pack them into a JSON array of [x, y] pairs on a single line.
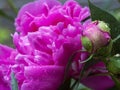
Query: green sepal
[[87, 43], [104, 26], [105, 51]]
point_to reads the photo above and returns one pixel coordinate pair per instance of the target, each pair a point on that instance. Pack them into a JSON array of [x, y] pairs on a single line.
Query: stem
[[87, 59], [70, 62], [81, 72], [118, 37], [68, 67]]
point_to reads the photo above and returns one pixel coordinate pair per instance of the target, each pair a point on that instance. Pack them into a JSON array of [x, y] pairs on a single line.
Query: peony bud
[[114, 65], [98, 33]]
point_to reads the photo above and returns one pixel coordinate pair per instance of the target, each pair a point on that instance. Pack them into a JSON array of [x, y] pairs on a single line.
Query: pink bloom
[[29, 12], [43, 77], [30, 75], [5, 52], [55, 32], [47, 39], [5, 64], [48, 12], [3, 84], [49, 34]]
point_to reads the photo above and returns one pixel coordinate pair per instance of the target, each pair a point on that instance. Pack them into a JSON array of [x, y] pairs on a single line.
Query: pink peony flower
[[30, 75], [49, 34], [48, 12], [55, 32], [29, 12], [5, 65], [43, 77]]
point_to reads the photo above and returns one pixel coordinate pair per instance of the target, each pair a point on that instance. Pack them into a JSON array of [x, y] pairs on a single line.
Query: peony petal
[[43, 77], [5, 51]]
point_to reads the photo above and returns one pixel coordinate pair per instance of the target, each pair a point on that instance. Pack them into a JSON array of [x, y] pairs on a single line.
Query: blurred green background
[[8, 11]]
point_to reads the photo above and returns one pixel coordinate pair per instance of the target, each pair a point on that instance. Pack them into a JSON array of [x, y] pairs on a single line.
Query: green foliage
[[99, 14], [78, 86], [116, 13]]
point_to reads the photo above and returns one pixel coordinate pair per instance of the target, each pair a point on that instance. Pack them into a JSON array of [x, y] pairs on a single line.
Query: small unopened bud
[[114, 65], [98, 33]]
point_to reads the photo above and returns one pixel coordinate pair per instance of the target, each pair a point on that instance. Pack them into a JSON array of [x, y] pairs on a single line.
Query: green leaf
[[14, 84], [116, 45], [78, 86], [99, 14]]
